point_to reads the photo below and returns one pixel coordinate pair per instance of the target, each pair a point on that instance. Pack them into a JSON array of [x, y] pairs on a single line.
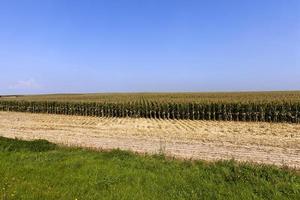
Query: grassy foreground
[[41, 170]]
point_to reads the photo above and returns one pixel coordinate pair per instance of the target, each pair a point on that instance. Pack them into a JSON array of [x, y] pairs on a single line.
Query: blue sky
[[59, 46]]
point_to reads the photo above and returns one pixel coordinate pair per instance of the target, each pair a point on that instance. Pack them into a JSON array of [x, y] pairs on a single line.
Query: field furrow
[[271, 143]]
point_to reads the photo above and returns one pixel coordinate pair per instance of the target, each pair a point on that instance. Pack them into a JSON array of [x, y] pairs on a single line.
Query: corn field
[[255, 111], [177, 98]]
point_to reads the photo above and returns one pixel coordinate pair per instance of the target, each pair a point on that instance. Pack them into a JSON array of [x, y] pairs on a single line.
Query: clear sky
[[55, 46]]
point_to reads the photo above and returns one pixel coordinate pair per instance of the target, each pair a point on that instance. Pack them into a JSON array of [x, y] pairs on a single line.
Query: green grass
[[41, 170]]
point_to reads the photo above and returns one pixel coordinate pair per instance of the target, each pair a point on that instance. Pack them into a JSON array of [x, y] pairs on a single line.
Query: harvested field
[[270, 143]]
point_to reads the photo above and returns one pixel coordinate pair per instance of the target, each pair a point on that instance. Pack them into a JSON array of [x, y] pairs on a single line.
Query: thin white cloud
[[27, 84]]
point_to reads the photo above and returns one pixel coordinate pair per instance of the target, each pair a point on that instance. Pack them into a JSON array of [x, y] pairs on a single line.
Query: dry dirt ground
[[271, 143]]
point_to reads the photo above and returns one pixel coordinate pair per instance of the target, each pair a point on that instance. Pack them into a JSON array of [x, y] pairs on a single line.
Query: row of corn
[[269, 112]]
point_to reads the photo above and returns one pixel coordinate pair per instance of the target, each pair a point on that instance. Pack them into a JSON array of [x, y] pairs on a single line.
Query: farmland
[[247, 106], [246, 126], [170, 146], [242, 97], [259, 142]]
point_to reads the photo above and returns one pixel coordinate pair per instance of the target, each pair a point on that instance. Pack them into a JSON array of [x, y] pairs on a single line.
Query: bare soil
[[269, 143]]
